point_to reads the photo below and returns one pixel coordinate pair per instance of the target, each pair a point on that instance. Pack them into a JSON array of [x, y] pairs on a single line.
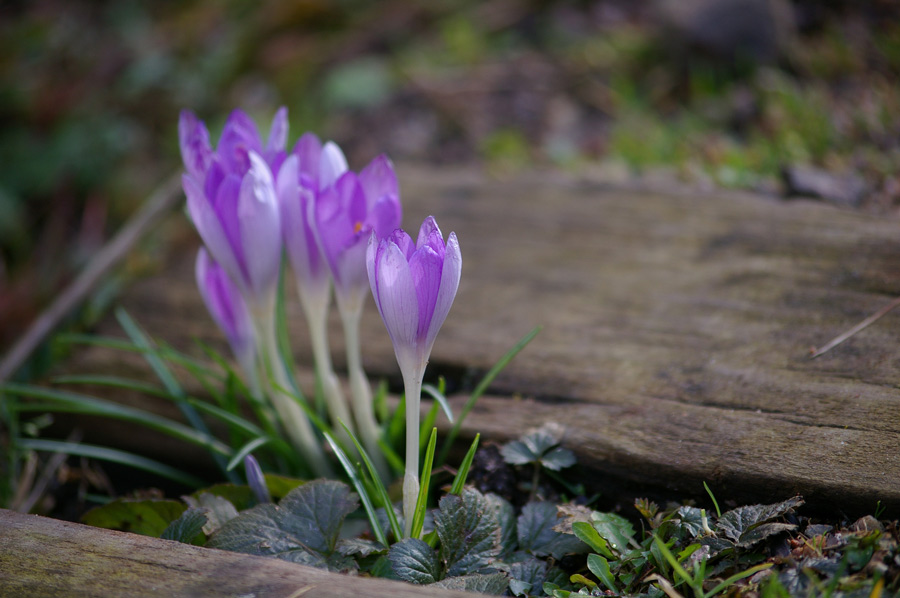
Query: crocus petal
[[299, 240], [210, 228], [379, 179], [402, 239], [226, 207], [278, 133], [372, 249], [351, 266], [215, 174], [260, 226], [397, 297], [339, 213], [239, 137], [309, 153], [430, 235], [332, 164], [385, 215], [193, 139], [425, 268], [450, 274], [225, 305]]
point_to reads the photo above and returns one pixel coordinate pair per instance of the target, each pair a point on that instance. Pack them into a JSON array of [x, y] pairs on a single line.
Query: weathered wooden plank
[[49, 558], [676, 335]]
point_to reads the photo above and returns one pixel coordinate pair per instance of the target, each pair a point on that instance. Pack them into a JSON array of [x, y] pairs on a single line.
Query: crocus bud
[[256, 480], [414, 286], [227, 307]]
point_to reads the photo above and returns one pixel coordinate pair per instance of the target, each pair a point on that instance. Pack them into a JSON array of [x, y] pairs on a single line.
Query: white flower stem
[[412, 386], [316, 310], [257, 396], [360, 391], [294, 420]]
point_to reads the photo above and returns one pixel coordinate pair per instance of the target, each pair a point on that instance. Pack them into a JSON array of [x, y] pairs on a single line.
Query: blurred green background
[[781, 96]]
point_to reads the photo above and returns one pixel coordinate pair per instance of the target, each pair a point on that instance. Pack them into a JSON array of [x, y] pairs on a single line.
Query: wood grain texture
[[676, 331], [49, 558]]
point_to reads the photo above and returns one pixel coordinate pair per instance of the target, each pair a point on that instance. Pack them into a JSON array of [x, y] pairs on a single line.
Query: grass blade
[[114, 382], [392, 457], [246, 450], [232, 419], [427, 424], [714, 501], [437, 393], [673, 562], [360, 489], [112, 455], [397, 426], [479, 390], [460, 480], [169, 382], [71, 402], [379, 486], [119, 344], [743, 574], [424, 483]]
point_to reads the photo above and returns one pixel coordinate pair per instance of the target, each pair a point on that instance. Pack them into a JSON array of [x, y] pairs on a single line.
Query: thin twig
[[160, 202], [867, 322]]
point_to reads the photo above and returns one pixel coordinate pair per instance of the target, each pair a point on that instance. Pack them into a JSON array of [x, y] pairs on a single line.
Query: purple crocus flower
[[308, 170], [304, 173], [231, 197], [227, 307], [348, 212], [414, 286]]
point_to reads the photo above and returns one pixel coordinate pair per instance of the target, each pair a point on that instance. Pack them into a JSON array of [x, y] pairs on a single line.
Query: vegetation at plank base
[[481, 542]]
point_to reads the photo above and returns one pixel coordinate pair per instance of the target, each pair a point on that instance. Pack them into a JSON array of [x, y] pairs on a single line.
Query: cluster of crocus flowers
[[232, 202], [250, 201]]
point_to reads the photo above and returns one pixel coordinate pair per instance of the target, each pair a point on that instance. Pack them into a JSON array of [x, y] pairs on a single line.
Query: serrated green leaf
[[505, 515], [526, 574], [689, 520], [360, 547], [615, 529], [188, 526], [558, 458], [481, 583], [543, 439], [468, 531], [536, 533], [519, 588], [145, 517], [219, 510], [415, 561], [737, 522], [303, 528], [763, 531], [518, 453]]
